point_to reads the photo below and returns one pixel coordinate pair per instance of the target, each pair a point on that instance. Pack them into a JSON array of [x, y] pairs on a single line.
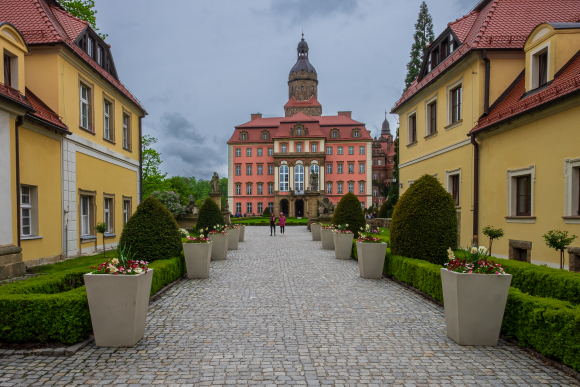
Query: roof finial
[[385, 114], [302, 34]]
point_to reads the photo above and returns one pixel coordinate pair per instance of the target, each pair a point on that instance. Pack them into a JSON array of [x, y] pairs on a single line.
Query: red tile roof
[[497, 24], [14, 96], [311, 102], [41, 23], [515, 103], [43, 112]]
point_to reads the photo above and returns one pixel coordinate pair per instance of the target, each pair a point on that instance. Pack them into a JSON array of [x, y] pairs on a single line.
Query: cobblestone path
[[282, 311]]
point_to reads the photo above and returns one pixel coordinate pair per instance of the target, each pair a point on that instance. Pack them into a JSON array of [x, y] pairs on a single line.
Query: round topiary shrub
[[424, 223], [266, 212], [152, 232], [349, 211], [384, 211], [209, 216]]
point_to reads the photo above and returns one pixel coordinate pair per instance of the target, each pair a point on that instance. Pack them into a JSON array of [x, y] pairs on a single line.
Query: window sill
[[128, 150], [575, 219], [108, 235], [520, 219], [454, 125], [88, 237], [30, 237], [110, 141], [412, 144], [87, 130], [434, 134]]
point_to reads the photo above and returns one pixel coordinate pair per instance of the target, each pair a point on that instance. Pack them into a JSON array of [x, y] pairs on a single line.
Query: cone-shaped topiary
[[349, 211], [384, 211], [424, 223], [266, 212], [209, 216], [152, 232]]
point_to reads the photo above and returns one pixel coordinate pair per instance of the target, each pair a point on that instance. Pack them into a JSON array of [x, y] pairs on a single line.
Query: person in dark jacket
[[272, 224]]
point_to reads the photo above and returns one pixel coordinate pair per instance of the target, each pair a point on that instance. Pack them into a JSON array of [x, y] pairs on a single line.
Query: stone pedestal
[[11, 264], [217, 197], [187, 221], [573, 259], [325, 218], [227, 216]]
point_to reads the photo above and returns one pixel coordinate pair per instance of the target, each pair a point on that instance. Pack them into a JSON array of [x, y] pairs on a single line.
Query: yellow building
[[73, 155], [470, 74]]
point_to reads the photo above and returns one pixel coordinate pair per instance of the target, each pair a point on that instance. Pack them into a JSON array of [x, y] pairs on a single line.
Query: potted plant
[[219, 239], [371, 252], [118, 295], [197, 251], [234, 236], [326, 236], [475, 292], [101, 228], [315, 228], [342, 241], [242, 232]]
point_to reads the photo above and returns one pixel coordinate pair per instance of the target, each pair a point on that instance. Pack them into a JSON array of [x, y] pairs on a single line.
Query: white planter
[[234, 238], [342, 245], [197, 259], [118, 306], [371, 259], [242, 232], [315, 228], [219, 248], [474, 306], [327, 239]]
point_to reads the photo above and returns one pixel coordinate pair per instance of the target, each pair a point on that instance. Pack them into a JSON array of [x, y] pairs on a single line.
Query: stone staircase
[[11, 264]]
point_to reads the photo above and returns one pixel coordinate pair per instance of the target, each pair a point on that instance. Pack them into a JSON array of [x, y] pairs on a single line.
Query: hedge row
[[55, 307], [551, 326]]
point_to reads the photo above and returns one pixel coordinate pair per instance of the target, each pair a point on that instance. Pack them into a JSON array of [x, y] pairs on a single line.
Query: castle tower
[[303, 85]]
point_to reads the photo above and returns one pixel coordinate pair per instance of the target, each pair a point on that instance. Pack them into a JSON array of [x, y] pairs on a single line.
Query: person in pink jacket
[[282, 221]]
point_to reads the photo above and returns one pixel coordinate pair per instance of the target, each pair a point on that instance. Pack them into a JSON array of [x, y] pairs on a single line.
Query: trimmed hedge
[[349, 211], [55, 306], [424, 223], [384, 211], [209, 216], [266, 212], [152, 232]]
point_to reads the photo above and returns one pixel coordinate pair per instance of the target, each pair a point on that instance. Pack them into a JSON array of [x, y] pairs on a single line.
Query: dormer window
[[100, 56], [90, 47], [243, 136], [334, 133], [434, 58], [299, 131], [543, 69], [539, 67], [356, 133]]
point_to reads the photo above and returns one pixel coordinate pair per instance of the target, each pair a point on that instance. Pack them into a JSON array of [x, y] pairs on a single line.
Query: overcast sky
[[202, 67]]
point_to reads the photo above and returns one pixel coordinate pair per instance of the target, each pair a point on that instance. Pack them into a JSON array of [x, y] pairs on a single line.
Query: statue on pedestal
[[326, 206], [314, 181], [215, 182], [191, 208]]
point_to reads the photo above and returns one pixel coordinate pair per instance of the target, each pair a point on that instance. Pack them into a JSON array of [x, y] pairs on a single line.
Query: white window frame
[[571, 191], [238, 170], [328, 168], [248, 170], [350, 167], [260, 170], [238, 152], [248, 189], [314, 147], [238, 208], [361, 168], [260, 152], [361, 150], [248, 152], [351, 150], [409, 115], [249, 208], [125, 131], [339, 187], [26, 207], [260, 207], [85, 215], [449, 186], [511, 190], [271, 207], [270, 151], [107, 120], [238, 189], [339, 168], [328, 188], [107, 210], [350, 187], [99, 55], [270, 189], [328, 150], [85, 102], [260, 189], [361, 187], [126, 211], [534, 65], [90, 47], [429, 102], [339, 150], [299, 148], [283, 148], [270, 169], [299, 177], [450, 88], [284, 173]]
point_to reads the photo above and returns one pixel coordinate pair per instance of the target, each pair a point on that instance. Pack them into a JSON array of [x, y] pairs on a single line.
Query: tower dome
[[303, 85], [386, 130], [302, 63]]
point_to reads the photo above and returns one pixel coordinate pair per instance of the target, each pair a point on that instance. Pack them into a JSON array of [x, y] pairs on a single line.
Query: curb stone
[[54, 352]]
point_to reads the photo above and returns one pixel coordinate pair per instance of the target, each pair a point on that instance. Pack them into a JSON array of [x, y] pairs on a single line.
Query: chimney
[[256, 115], [346, 114]]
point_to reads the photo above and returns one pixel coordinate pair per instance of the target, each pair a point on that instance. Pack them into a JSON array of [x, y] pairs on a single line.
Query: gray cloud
[[303, 10], [199, 161], [177, 126]]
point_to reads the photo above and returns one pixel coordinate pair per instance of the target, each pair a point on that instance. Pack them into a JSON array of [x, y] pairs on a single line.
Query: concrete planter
[[315, 228], [234, 238], [342, 245], [219, 249], [197, 259], [118, 306], [242, 232], [371, 259], [474, 306], [327, 239]]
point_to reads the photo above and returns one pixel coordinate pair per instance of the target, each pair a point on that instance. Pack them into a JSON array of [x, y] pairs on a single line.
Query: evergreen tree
[[422, 37], [394, 189]]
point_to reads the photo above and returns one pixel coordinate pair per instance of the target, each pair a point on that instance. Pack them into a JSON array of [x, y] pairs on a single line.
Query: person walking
[[282, 221], [272, 224]]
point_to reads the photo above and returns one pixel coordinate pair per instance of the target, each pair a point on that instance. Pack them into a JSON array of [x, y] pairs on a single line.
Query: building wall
[[7, 216], [547, 144]]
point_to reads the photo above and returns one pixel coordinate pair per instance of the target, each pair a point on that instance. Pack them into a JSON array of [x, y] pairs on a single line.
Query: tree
[[153, 179], [492, 233], [349, 211], [422, 37], [209, 216], [179, 185], [170, 200], [559, 240], [393, 196], [84, 10], [101, 228]]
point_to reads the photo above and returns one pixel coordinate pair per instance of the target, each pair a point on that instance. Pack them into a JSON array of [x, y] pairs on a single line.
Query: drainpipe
[[19, 122], [140, 161], [475, 189], [487, 78]]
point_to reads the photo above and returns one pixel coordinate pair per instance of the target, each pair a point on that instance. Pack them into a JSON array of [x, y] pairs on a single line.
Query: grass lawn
[[250, 221], [74, 263]]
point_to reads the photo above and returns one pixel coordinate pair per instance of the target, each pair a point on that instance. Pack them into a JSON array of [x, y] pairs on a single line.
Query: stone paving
[[282, 311]]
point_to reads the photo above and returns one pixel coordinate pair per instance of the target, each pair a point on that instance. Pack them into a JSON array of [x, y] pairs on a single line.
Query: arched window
[[314, 169], [299, 177], [284, 178]]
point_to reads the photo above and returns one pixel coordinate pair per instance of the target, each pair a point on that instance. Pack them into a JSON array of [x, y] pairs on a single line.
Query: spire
[[386, 130], [302, 48], [302, 63]]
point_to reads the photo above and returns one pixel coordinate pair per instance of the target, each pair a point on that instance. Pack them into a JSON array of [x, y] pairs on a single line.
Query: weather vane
[[302, 34]]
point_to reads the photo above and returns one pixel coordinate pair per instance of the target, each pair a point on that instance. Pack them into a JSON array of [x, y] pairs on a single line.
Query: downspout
[[19, 122], [487, 78], [140, 161], [475, 189]]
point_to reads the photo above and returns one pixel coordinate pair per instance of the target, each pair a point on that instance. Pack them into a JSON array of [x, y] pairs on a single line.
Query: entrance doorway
[[299, 208], [284, 207]]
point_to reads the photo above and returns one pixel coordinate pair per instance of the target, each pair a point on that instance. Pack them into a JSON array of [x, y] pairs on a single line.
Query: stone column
[[217, 197]]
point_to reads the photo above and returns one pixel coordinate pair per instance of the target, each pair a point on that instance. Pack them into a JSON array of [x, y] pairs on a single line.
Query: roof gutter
[[475, 189]]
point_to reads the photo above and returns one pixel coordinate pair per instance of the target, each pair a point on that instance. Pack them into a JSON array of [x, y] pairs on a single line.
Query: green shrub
[[384, 211], [167, 271], [209, 216], [266, 212], [152, 232], [424, 223], [349, 211]]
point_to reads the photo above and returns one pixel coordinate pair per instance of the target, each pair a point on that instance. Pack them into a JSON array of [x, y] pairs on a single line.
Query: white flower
[[112, 269], [138, 270], [473, 250], [347, 225], [482, 250], [115, 261]]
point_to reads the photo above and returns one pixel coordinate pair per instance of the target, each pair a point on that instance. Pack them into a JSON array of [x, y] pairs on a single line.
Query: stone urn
[[327, 239], [315, 229], [219, 249], [197, 259], [242, 232], [234, 238], [342, 245], [371, 259], [118, 305], [474, 306]]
